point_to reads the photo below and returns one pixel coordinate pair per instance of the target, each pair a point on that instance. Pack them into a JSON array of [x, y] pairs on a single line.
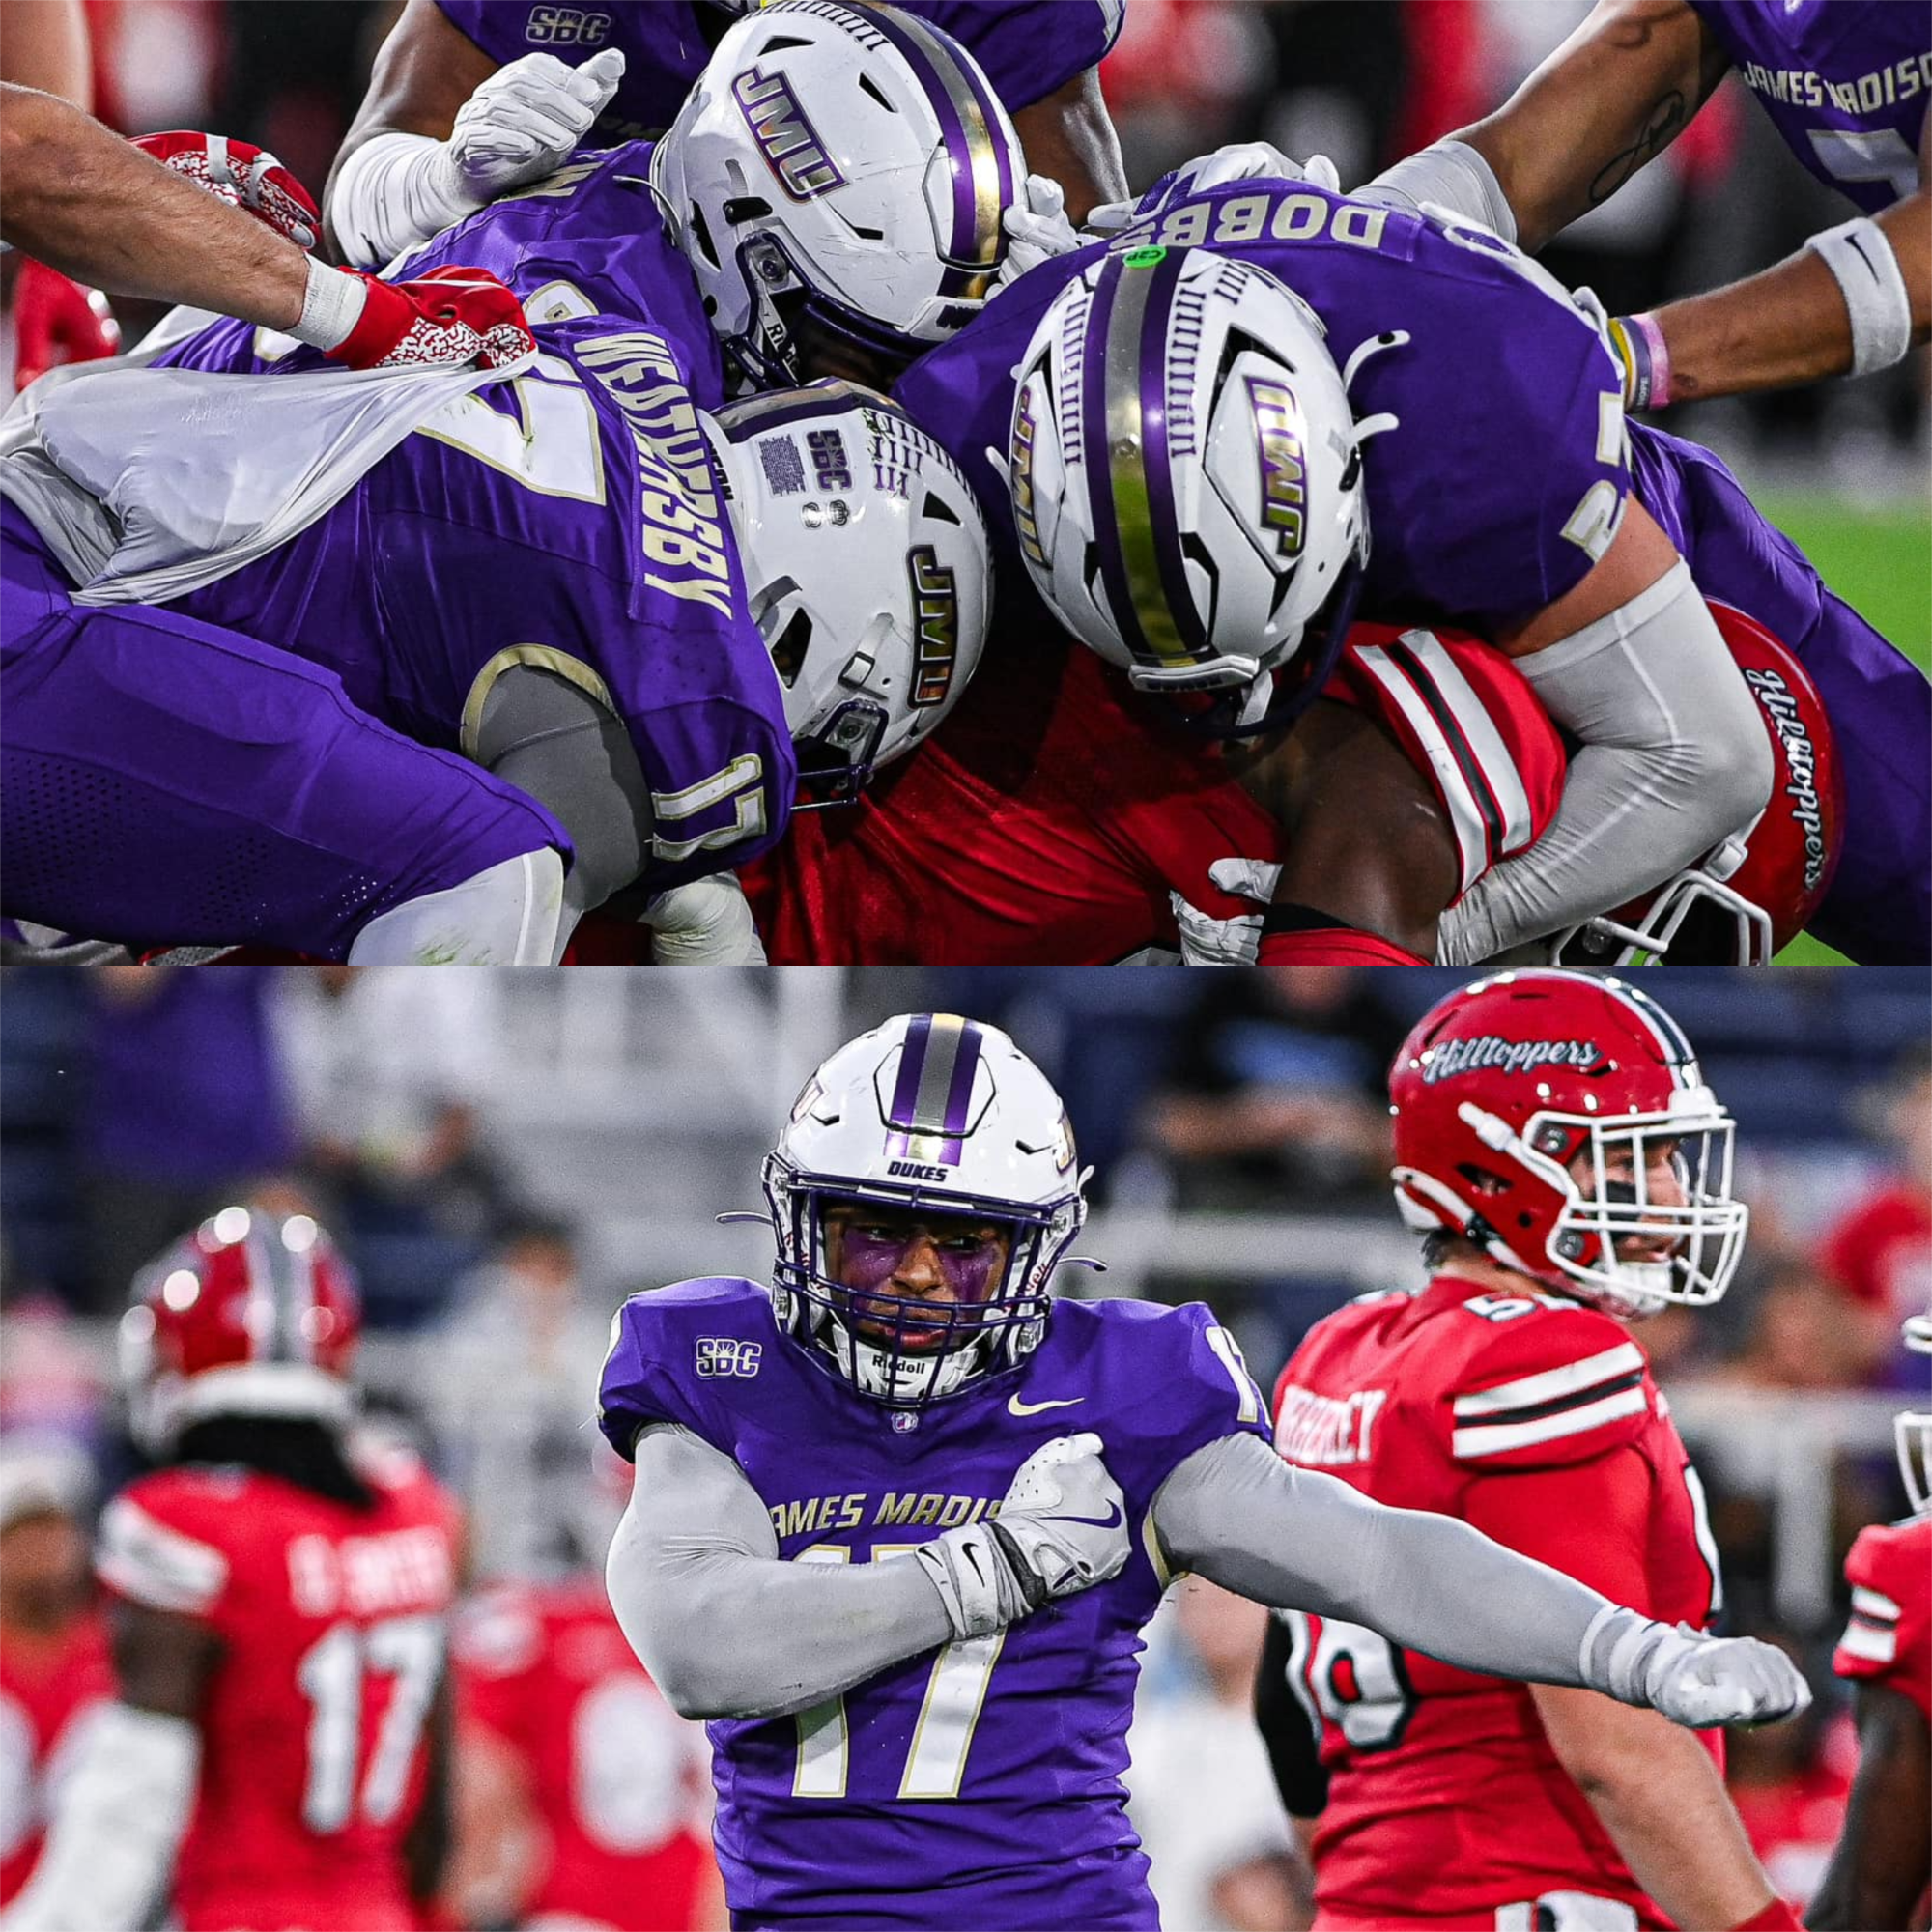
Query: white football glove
[[1061, 1526], [1239, 161], [522, 121], [1693, 1678], [1036, 231], [704, 922], [1207, 940]]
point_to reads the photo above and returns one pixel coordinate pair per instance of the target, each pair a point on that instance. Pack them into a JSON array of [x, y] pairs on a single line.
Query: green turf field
[[1880, 561]]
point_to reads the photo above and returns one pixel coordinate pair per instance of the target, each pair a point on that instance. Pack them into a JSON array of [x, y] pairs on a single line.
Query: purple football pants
[[1879, 910], [168, 782]]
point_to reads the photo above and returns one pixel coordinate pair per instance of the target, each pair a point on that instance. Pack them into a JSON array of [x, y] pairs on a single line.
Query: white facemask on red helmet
[[253, 1314], [1501, 1087], [1743, 902], [1912, 1429]]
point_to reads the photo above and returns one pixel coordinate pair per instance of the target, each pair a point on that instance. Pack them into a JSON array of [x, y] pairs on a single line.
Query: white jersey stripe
[[1531, 1391], [1479, 728], [1875, 1646], [1870, 1603], [1495, 1438], [1465, 817], [146, 1560]]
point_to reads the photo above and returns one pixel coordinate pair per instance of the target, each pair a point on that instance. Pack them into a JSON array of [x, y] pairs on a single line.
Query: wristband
[[333, 305], [1646, 360], [1774, 1915], [1867, 274]]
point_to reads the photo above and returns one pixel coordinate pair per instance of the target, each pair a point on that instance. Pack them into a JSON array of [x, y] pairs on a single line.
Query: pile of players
[[1398, 626]]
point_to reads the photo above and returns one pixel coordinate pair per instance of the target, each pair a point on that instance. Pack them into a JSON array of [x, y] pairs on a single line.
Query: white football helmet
[[1913, 1430], [839, 169], [1186, 473], [936, 1112], [867, 568]]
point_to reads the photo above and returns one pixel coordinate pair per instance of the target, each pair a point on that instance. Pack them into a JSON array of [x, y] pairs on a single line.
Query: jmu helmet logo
[[726, 1355], [935, 604], [1780, 708], [1490, 1053], [1281, 444], [787, 141], [1022, 479]]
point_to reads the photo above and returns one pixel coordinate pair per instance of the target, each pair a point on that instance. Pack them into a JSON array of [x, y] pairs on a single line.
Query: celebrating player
[[1571, 1172], [1232, 539], [1882, 1868], [864, 1541], [460, 110], [1846, 83], [279, 1611]]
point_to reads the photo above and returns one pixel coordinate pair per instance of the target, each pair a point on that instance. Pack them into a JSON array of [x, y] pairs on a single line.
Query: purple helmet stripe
[[912, 1058], [932, 1096], [1099, 480], [959, 1091], [971, 130], [1155, 459]]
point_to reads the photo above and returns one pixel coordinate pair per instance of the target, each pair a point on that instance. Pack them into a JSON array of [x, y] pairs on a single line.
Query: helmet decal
[[937, 1066], [935, 597], [1281, 444], [787, 141], [1786, 720], [1492, 1054]]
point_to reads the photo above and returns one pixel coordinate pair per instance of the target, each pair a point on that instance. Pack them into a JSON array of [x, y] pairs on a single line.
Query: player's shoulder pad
[[1534, 1381], [1170, 1375], [1891, 1596], [164, 1541], [665, 1340]]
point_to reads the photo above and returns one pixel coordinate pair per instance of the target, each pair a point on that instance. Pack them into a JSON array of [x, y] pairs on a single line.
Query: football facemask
[[922, 1195]]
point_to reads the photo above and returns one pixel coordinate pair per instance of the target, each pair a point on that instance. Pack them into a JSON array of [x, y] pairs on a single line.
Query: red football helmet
[[1741, 903], [250, 1314], [1503, 1085]]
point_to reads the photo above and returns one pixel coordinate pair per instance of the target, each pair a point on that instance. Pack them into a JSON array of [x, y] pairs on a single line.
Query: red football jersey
[[619, 1783], [1535, 1419], [1888, 1640], [1050, 816], [47, 1690], [334, 1624]]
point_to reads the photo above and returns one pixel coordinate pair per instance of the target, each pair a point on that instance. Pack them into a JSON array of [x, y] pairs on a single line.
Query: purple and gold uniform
[[1846, 82], [569, 520], [1029, 49], [169, 781], [978, 1785], [1879, 909], [1505, 478]]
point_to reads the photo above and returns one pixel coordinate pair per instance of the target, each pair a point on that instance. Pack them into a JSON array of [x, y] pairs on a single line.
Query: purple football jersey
[[976, 1786], [1027, 47], [569, 520], [1506, 474], [1846, 82]]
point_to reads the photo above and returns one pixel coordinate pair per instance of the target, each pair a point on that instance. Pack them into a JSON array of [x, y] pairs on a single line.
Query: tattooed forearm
[[1667, 121]]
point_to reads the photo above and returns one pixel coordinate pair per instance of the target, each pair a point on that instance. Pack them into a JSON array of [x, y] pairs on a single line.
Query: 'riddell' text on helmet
[[1560, 1123], [927, 1114]]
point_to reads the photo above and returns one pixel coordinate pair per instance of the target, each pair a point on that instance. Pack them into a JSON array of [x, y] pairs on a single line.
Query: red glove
[[447, 316], [243, 176], [56, 321]]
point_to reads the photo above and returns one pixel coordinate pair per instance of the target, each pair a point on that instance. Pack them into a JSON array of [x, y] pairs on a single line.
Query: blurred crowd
[[133, 1103], [1364, 82]]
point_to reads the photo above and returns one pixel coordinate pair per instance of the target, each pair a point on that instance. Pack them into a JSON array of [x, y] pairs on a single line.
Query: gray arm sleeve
[[723, 1627], [1239, 1516], [1674, 760], [548, 737]]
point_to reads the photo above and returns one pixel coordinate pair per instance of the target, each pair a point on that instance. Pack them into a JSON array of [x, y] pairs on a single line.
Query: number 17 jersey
[[1535, 1419], [333, 1623]]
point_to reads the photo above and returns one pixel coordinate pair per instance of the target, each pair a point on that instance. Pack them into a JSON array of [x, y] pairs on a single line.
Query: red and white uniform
[[47, 1690], [1535, 1419], [1050, 816], [1888, 1640], [333, 1624], [619, 1783]]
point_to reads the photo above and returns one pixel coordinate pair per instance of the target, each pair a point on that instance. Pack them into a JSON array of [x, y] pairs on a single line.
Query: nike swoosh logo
[[1106, 1521], [1015, 1406]]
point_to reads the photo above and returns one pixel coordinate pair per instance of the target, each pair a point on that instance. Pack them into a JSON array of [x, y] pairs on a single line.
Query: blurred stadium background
[[1841, 467], [505, 1158]]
